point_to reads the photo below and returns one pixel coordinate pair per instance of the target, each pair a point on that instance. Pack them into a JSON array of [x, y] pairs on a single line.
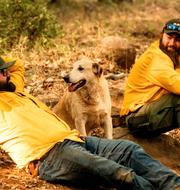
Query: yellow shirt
[[28, 128], [152, 76], [16, 73]]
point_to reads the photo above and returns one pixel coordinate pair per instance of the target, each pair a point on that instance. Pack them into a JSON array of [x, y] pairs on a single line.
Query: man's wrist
[[5, 83]]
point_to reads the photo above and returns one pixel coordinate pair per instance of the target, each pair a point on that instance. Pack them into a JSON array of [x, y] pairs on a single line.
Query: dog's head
[[83, 72]]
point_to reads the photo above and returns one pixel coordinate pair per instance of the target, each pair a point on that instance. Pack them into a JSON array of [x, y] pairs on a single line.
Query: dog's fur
[[87, 103]]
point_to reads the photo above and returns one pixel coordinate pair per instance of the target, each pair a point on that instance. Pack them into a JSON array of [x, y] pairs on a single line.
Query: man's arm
[[164, 75], [16, 74]]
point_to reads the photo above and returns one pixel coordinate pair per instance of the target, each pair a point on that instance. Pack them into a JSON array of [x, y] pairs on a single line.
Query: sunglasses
[[173, 26]]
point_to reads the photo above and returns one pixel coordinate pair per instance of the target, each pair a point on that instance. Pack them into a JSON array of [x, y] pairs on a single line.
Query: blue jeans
[[112, 163]]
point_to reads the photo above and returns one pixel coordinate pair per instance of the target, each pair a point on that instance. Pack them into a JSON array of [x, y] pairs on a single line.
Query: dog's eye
[[80, 68]]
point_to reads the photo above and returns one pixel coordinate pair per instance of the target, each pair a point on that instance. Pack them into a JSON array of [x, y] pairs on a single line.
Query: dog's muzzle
[[74, 86], [66, 78]]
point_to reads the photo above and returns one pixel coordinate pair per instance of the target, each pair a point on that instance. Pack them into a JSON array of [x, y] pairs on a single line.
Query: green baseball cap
[[5, 65]]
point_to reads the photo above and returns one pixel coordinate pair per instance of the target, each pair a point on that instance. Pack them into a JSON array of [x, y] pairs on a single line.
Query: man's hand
[[4, 78]]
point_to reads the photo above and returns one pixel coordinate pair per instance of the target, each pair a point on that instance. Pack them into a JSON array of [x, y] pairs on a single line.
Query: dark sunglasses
[[173, 26]]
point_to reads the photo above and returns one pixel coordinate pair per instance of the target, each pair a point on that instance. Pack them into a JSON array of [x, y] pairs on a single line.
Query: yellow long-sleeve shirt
[[28, 128], [152, 75]]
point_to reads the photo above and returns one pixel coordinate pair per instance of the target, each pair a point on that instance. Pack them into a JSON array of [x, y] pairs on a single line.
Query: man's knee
[[174, 98], [177, 101], [133, 145]]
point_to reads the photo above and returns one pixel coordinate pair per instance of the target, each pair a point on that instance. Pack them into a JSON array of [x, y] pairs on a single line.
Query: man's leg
[[177, 110], [119, 163], [156, 117], [92, 163], [131, 155]]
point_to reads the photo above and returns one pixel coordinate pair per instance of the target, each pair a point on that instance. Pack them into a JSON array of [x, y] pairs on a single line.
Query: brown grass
[[85, 23]]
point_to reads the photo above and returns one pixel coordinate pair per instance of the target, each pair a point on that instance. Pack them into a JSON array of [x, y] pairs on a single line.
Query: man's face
[[170, 43]]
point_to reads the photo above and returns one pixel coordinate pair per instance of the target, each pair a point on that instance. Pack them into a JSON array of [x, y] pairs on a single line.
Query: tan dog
[[87, 103]]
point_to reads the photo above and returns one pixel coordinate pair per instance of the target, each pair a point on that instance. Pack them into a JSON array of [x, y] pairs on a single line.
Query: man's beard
[[174, 55]]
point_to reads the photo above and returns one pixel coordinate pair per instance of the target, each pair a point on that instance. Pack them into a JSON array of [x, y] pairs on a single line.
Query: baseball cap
[[5, 65], [172, 26]]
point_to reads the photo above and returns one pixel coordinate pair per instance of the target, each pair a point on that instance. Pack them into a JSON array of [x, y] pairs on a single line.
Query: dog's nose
[[66, 78]]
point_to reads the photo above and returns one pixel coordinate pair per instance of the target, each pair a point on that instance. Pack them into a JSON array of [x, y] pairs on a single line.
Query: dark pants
[[157, 117]]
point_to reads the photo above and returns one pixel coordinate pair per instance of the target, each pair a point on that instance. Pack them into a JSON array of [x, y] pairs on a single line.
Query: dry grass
[[87, 22]]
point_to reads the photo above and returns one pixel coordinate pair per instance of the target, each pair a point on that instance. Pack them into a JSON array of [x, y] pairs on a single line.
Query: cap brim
[[171, 32], [6, 65]]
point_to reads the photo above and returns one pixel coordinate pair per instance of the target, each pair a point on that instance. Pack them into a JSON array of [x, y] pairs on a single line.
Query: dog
[[87, 103]]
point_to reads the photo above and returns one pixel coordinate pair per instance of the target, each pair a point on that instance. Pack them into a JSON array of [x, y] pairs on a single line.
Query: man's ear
[[97, 69]]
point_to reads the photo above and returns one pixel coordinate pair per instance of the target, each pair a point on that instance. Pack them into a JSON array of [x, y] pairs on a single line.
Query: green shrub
[[27, 21]]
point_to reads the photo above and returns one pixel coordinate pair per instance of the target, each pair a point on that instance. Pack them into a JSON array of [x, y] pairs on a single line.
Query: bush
[[25, 20]]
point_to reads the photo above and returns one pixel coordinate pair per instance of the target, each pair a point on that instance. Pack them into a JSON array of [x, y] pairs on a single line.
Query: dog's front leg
[[80, 124], [108, 129]]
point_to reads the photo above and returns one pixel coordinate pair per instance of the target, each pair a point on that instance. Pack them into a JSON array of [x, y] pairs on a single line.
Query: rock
[[117, 92], [118, 51]]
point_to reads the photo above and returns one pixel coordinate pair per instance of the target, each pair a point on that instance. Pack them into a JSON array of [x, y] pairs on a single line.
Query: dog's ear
[[97, 69]]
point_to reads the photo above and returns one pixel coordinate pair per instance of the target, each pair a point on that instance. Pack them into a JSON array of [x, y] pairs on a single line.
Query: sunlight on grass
[[85, 23]]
